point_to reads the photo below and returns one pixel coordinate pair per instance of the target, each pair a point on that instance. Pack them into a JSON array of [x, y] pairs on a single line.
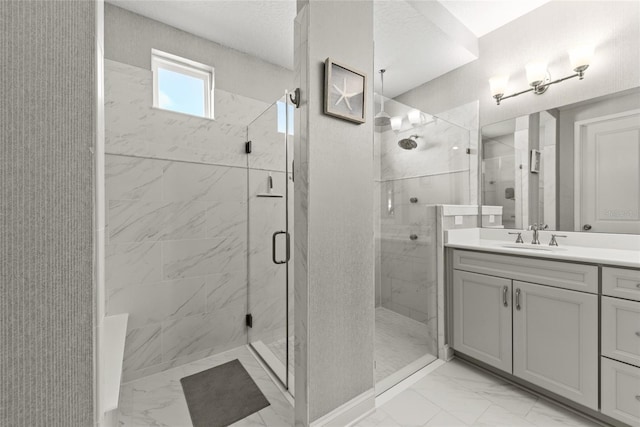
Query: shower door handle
[[273, 247]]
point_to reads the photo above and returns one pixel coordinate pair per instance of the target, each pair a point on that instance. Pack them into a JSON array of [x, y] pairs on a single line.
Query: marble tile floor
[[279, 350], [158, 400], [458, 394], [399, 341]]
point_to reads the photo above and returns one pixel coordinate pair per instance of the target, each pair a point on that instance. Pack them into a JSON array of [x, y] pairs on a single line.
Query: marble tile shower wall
[[176, 223], [434, 173]]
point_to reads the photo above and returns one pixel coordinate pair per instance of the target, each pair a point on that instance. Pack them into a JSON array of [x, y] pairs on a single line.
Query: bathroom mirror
[[573, 168]]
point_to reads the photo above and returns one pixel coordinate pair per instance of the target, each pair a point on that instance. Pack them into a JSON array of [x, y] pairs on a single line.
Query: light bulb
[[498, 85], [580, 57], [396, 122], [415, 117], [536, 73]]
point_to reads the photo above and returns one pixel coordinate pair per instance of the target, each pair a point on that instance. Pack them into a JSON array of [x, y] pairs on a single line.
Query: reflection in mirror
[[586, 176]]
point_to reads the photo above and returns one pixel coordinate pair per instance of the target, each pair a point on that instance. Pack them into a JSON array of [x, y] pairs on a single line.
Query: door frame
[[578, 138]]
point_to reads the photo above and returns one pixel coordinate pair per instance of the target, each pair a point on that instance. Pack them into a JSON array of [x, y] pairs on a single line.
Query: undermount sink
[[531, 247]]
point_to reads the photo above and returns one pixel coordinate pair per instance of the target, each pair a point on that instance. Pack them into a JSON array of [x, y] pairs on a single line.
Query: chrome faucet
[[535, 228], [553, 241], [519, 238]]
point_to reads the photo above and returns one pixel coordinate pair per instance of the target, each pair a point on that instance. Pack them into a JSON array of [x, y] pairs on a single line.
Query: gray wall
[[46, 199], [546, 32], [130, 38], [333, 217]]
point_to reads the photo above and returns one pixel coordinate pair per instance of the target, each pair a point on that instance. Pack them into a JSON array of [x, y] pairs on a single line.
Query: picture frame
[[534, 161], [345, 92]]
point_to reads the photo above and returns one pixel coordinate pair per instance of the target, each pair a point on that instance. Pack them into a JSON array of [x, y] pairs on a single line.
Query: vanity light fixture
[[396, 123], [538, 75], [417, 118]]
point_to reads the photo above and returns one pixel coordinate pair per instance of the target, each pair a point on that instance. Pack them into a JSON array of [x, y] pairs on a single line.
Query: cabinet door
[[555, 340], [482, 318]]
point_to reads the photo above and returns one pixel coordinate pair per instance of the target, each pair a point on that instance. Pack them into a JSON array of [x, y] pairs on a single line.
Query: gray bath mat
[[222, 395]]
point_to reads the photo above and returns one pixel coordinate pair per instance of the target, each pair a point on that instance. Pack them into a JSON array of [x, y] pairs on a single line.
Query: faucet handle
[[553, 241], [519, 238]]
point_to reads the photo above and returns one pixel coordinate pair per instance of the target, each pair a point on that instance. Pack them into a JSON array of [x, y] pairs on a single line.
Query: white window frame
[[190, 68]]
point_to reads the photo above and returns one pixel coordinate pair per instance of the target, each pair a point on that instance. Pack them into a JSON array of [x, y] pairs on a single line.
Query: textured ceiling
[[413, 45]]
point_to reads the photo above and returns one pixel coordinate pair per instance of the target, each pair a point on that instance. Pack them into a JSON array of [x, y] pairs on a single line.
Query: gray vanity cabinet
[[555, 340], [482, 324], [545, 333]]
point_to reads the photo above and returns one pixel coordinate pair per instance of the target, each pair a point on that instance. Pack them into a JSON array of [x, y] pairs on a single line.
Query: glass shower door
[[270, 238]]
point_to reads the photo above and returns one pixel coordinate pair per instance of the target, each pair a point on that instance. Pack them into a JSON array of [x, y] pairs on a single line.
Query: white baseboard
[[350, 412]]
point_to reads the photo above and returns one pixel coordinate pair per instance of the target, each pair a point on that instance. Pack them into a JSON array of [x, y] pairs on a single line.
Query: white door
[[555, 340], [482, 318], [608, 174]]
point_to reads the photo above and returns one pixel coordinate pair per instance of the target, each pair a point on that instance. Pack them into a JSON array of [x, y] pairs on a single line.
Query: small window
[[182, 85], [282, 117]]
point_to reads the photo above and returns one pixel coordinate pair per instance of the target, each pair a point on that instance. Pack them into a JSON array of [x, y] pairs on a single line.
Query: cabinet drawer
[[576, 277], [621, 282], [621, 330], [620, 391]]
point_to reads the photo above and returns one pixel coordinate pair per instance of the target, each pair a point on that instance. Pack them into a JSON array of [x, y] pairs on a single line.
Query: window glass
[[180, 92], [182, 85], [282, 117]]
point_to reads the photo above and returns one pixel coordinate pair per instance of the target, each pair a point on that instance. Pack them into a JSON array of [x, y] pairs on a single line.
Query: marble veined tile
[[268, 145], [220, 330], [185, 336], [434, 154], [132, 263], [445, 419], [137, 221], [226, 289], [158, 400], [399, 341], [269, 318], [236, 109], [192, 181], [464, 404], [157, 302], [133, 126], [192, 258], [544, 413], [409, 408], [459, 390], [227, 219], [414, 295], [496, 416], [142, 349], [133, 178]]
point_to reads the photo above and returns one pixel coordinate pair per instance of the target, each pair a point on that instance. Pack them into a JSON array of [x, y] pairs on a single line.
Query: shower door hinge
[[468, 150], [249, 321], [247, 147]]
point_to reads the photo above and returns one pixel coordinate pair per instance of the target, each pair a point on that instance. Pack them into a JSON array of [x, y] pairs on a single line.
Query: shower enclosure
[[270, 236], [421, 162]]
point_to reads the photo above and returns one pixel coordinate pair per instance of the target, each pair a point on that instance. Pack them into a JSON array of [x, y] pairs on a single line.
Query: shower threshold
[[274, 363]]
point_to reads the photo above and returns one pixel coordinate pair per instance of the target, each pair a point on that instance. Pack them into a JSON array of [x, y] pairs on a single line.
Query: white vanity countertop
[[616, 250]]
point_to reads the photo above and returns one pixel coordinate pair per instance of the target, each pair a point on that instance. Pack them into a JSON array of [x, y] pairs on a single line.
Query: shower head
[[408, 143]]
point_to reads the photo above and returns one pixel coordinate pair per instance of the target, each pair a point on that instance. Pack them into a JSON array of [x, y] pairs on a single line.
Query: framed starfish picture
[[344, 92]]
